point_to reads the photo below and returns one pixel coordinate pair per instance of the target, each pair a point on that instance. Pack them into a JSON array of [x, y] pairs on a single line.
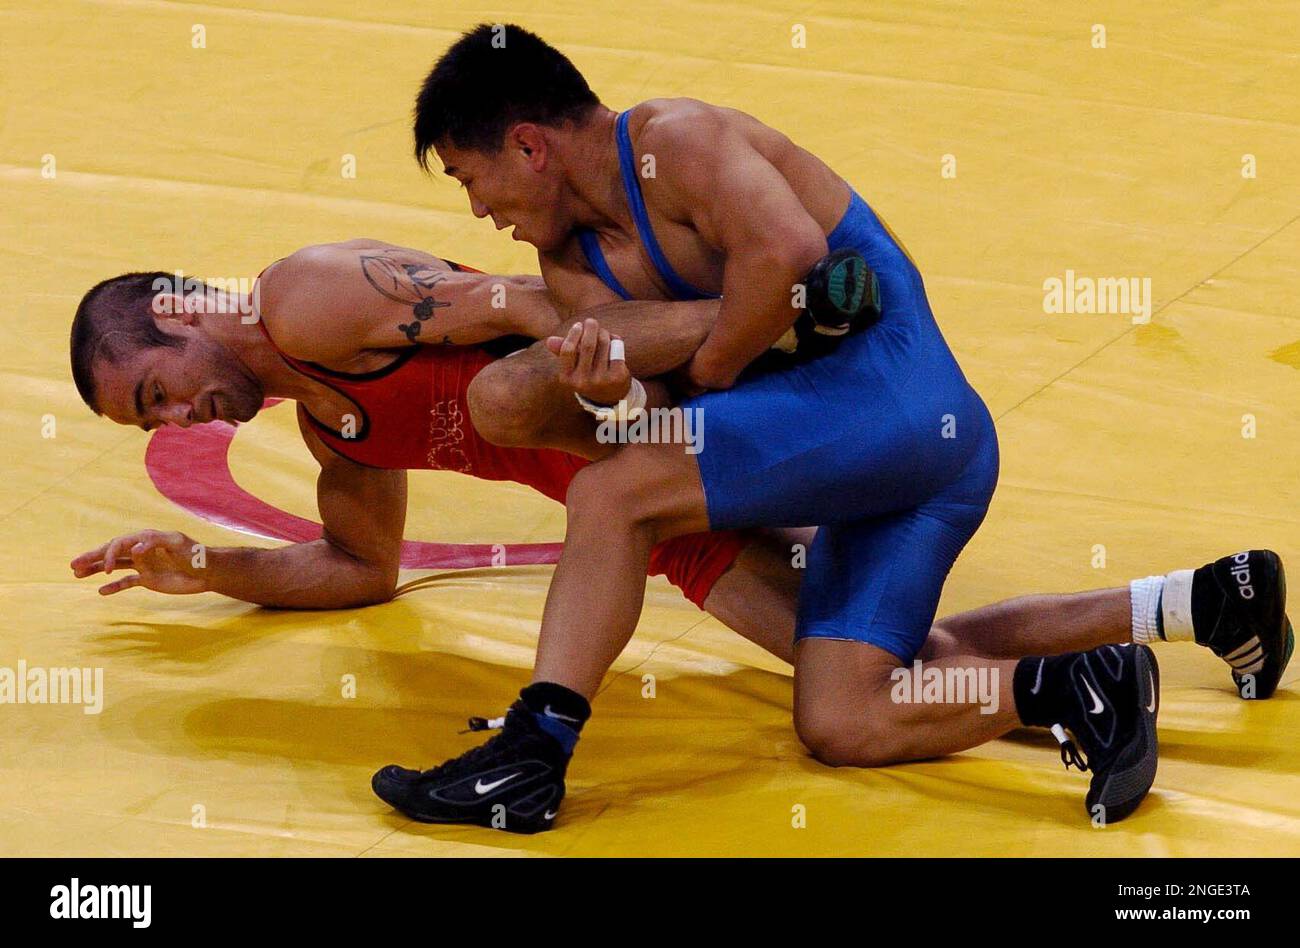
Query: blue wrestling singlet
[[882, 444]]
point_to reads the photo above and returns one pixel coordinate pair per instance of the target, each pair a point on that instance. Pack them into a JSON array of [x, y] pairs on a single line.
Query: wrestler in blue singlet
[[882, 444]]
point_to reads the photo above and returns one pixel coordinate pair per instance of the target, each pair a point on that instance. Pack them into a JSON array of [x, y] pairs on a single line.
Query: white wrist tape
[[628, 407]]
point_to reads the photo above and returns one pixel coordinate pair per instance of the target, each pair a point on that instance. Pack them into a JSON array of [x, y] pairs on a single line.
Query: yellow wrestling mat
[[143, 134]]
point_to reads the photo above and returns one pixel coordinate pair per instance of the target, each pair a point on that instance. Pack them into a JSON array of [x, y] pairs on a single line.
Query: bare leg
[[1035, 625], [758, 596], [848, 713], [617, 510]]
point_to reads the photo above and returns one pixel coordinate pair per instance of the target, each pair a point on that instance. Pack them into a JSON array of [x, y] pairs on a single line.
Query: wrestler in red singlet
[[411, 415]]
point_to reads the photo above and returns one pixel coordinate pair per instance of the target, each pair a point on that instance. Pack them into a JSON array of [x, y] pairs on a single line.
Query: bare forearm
[[758, 307], [525, 401], [659, 336], [315, 575], [516, 305]]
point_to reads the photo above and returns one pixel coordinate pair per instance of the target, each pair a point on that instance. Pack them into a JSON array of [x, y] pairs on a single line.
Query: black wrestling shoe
[[1239, 613], [842, 297], [514, 782], [1110, 706]]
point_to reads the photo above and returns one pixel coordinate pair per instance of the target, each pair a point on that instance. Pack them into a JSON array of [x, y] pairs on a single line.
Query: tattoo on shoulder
[[401, 282]]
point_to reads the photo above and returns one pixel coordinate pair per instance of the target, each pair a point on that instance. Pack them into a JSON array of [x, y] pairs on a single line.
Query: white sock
[[1144, 598], [1176, 606]]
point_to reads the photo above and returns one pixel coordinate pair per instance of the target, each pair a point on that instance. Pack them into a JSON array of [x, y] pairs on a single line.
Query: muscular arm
[[330, 302], [660, 336], [355, 561], [740, 203], [523, 401]]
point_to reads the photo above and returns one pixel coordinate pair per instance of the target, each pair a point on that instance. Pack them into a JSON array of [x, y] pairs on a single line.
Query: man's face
[[517, 186], [197, 382]]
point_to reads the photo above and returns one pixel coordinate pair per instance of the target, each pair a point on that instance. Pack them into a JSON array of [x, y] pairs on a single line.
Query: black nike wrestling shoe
[[1108, 698], [514, 782], [1239, 613]]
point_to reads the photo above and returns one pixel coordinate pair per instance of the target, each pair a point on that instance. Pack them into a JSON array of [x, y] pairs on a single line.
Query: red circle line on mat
[[191, 468]]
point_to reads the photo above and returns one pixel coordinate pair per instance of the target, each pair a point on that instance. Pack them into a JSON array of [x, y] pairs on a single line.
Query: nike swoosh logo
[[550, 814], [1096, 702], [1152, 682], [481, 788], [1038, 681], [559, 717]]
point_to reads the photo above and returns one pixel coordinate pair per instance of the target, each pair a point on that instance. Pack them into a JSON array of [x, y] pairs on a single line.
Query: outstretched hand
[[163, 561]]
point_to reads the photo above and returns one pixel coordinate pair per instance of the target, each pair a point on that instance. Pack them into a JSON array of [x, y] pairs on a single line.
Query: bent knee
[[609, 497], [604, 489], [840, 740], [501, 406]]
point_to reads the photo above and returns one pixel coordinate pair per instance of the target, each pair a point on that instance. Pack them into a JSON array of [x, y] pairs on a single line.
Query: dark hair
[[493, 77], [115, 319]]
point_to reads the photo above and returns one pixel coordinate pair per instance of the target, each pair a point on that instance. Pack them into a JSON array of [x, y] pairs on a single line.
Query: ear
[[171, 306], [529, 140]]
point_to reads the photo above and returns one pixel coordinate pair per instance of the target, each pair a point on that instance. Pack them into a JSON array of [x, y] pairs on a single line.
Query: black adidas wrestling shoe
[[514, 782], [1108, 698], [1239, 613]]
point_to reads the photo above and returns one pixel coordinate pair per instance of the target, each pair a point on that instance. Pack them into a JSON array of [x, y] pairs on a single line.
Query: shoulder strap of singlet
[[596, 260], [627, 161]]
